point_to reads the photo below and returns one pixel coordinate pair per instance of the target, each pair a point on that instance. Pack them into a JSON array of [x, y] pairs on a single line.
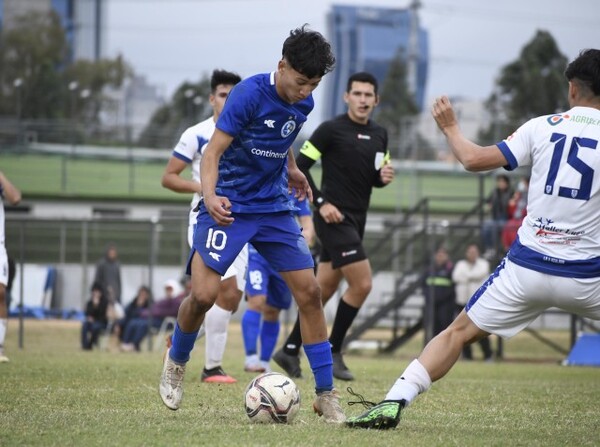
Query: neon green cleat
[[382, 416]]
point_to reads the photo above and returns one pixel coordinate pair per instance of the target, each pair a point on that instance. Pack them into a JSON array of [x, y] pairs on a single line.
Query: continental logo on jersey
[[288, 128], [557, 119], [268, 153], [363, 137]]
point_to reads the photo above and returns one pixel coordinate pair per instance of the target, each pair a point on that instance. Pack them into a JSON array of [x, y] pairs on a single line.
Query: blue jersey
[[253, 169]]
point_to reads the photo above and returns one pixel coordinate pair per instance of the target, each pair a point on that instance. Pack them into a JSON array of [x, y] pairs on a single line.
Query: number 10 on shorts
[[216, 239]]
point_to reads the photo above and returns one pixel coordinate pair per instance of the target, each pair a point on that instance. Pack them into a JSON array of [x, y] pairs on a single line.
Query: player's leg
[[305, 290], [509, 301], [205, 287], [216, 326], [288, 357], [217, 320], [438, 357], [269, 332], [282, 245], [358, 278], [279, 298], [251, 329], [3, 307], [257, 281]]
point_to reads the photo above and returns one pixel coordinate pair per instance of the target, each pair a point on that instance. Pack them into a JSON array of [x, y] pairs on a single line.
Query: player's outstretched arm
[[217, 206], [472, 156], [11, 193]]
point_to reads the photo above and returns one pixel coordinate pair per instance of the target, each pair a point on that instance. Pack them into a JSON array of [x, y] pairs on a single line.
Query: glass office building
[[368, 39]]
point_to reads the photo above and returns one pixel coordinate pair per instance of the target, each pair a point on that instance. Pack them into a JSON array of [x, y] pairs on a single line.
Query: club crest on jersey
[[288, 128]]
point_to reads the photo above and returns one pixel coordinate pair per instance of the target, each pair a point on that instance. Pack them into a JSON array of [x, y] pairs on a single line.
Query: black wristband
[[319, 202]]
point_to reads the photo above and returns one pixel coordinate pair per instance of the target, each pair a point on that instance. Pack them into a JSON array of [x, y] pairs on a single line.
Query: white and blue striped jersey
[[561, 234], [253, 169], [190, 147]]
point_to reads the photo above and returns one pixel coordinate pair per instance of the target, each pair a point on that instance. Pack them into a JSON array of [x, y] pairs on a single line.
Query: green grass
[[47, 176], [51, 393]]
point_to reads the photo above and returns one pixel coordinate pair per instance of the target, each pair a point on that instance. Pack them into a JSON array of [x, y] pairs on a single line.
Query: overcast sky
[[470, 40]]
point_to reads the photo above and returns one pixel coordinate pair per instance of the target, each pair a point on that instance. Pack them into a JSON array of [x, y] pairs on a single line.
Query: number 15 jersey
[[561, 232]]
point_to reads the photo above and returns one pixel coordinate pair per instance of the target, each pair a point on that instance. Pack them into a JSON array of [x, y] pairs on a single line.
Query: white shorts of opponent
[[514, 296]]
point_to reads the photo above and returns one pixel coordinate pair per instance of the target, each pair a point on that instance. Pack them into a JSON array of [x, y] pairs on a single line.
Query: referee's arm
[[305, 162]]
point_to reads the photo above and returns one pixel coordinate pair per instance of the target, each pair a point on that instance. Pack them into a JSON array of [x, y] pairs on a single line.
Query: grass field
[[53, 394]]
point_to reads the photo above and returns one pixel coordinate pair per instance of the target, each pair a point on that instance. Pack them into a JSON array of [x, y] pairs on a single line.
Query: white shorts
[[239, 266], [514, 296], [4, 266]]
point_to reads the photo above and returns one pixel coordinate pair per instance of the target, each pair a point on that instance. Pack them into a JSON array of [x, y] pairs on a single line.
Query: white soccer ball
[[272, 398]]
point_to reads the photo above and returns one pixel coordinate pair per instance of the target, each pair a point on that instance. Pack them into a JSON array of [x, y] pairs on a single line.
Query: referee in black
[[354, 159]]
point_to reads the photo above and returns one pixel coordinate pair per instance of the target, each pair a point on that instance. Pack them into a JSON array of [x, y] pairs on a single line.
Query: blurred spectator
[[438, 289], [134, 309], [469, 274], [517, 210], [498, 207], [108, 274], [95, 318], [138, 328]]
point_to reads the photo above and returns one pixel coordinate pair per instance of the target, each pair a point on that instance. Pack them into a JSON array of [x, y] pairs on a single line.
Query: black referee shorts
[[341, 243]]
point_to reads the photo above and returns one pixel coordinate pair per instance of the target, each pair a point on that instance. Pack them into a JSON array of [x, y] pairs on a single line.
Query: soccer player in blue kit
[[555, 260], [247, 170]]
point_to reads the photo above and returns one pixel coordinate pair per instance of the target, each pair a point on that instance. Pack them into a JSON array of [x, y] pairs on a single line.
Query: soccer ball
[[272, 398]]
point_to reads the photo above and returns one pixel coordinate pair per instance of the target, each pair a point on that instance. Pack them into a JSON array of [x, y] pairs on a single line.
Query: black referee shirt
[[352, 155]]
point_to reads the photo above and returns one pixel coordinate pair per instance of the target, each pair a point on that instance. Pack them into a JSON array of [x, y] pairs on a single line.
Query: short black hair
[[308, 52], [222, 77], [362, 76], [586, 69]]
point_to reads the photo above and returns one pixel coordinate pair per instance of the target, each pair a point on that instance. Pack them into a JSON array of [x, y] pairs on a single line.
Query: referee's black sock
[[294, 341], [343, 320]]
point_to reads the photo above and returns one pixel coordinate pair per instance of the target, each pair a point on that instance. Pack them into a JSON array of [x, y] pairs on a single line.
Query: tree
[[397, 107], [35, 75], [30, 54], [91, 79], [188, 106], [531, 86]]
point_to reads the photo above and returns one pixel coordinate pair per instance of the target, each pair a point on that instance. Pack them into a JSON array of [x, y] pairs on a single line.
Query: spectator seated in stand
[[141, 301], [153, 317], [95, 321]]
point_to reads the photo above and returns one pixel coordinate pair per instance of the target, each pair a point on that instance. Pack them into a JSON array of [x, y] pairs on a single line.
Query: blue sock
[[268, 339], [183, 343], [321, 363], [250, 330]]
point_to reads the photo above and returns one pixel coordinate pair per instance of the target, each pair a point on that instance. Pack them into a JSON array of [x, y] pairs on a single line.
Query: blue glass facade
[[367, 39], [66, 12]]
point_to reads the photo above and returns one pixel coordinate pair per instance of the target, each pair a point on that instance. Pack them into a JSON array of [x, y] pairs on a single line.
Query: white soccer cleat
[[171, 382], [3, 358], [327, 404]]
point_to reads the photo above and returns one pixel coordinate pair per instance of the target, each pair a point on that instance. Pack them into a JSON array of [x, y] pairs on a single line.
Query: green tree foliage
[[188, 106], [92, 78], [30, 53], [531, 86], [35, 76]]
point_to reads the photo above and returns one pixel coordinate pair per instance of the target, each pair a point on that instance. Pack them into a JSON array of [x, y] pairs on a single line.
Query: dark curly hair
[[586, 69], [222, 77], [308, 52]]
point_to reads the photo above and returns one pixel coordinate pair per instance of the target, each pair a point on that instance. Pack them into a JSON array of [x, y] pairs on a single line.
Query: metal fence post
[[21, 283], [154, 221]]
